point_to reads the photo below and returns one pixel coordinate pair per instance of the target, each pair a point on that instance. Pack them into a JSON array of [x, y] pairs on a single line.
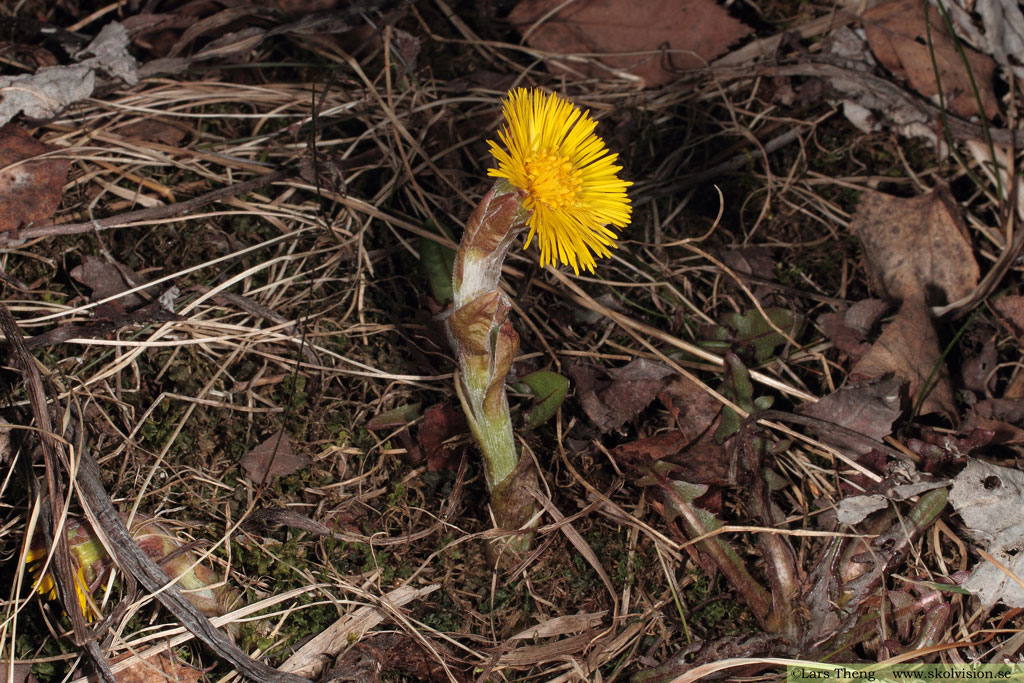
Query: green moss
[[442, 613], [713, 607]]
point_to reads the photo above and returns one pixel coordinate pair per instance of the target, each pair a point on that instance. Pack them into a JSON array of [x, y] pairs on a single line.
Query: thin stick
[[144, 216]]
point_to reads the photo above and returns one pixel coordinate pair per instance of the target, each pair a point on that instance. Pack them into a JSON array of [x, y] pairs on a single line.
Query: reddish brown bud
[[471, 324], [489, 233]]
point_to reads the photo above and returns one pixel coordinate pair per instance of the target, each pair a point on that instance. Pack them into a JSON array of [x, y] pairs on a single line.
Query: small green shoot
[[437, 261]]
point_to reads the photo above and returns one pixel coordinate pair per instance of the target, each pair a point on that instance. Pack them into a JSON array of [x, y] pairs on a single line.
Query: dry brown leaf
[[29, 190], [157, 130], [441, 421], [917, 245], [869, 408], [1016, 387], [704, 462], [909, 348], [694, 410], [1011, 308], [696, 31], [108, 278], [898, 36], [1004, 416], [609, 405], [161, 668], [699, 459], [273, 458], [848, 332], [976, 373], [917, 251], [752, 260], [21, 672], [1002, 432]]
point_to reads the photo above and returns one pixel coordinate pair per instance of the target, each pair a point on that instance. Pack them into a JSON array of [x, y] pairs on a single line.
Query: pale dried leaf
[[566, 648], [51, 90], [989, 499], [854, 509], [313, 657], [108, 53], [46, 93], [1004, 31], [560, 626]]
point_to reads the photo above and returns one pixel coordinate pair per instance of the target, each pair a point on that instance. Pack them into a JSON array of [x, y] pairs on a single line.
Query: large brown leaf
[[1011, 309], [696, 31], [917, 251], [916, 246], [30, 188], [869, 409], [898, 35], [609, 405]]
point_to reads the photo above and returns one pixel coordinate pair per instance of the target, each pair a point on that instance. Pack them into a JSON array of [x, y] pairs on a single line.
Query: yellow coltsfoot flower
[[45, 585], [572, 188]]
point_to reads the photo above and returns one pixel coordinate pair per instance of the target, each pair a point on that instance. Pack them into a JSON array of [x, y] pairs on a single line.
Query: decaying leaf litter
[[805, 345]]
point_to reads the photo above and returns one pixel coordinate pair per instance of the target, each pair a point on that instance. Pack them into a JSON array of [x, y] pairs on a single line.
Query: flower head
[[569, 177], [45, 585]]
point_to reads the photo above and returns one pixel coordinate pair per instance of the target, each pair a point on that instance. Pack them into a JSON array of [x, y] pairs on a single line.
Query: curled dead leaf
[[909, 348], [610, 404], [868, 408]]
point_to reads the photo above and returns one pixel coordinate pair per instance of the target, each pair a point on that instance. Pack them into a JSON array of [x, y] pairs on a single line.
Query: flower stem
[[493, 433], [485, 344]]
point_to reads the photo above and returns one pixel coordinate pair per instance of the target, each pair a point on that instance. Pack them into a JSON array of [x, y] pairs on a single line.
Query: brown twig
[[150, 313], [144, 216]]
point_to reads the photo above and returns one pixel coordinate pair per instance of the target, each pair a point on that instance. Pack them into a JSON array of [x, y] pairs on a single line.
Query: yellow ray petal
[[549, 150]]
